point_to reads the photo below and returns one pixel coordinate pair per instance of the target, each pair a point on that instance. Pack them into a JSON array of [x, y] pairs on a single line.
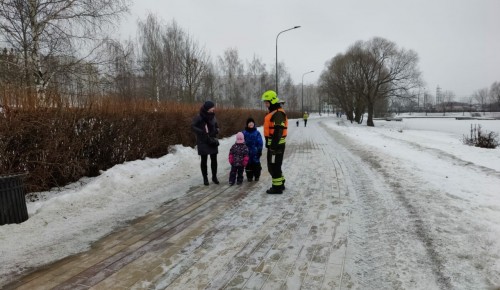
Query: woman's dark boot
[[213, 166], [204, 174]]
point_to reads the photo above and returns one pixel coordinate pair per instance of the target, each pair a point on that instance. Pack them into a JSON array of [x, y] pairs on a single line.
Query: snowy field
[[451, 187], [447, 124]]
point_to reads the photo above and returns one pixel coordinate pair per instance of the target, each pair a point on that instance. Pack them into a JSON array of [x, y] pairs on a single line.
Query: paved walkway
[[228, 237]]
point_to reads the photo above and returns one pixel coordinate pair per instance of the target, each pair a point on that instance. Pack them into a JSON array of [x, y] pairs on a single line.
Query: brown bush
[[59, 146]]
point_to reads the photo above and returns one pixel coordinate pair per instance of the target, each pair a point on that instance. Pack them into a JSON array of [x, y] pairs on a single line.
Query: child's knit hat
[[250, 120], [240, 138]]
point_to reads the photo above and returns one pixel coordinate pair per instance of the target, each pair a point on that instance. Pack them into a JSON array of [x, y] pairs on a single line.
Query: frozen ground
[[424, 209]]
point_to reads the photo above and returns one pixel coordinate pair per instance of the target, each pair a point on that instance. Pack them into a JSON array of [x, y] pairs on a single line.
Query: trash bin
[[12, 199]]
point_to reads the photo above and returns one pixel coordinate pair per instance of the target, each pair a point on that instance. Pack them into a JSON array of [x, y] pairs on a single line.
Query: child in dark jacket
[[254, 142], [238, 158]]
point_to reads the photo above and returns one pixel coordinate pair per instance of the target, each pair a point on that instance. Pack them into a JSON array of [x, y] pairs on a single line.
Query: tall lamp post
[[295, 27], [303, 89]]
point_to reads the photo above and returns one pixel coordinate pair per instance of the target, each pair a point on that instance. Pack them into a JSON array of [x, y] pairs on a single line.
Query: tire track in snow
[[451, 219], [381, 199]]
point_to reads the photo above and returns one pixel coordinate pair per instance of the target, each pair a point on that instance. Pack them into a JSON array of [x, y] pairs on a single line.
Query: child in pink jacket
[[238, 158]]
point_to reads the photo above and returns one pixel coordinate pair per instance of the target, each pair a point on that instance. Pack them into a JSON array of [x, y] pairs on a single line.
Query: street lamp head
[[305, 74], [277, 68]]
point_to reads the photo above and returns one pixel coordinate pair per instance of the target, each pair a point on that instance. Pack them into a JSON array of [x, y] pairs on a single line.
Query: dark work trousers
[[253, 170], [213, 164], [274, 162], [305, 122], [236, 174]]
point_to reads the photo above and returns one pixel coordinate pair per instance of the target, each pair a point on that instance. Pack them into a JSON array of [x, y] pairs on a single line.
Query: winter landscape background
[[447, 189]]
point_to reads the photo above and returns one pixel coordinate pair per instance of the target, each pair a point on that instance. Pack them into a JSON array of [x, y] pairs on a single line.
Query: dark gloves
[[212, 141]]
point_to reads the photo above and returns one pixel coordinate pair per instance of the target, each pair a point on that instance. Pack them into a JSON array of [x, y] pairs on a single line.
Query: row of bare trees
[[368, 75], [60, 53], [173, 66], [488, 98], [51, 37]]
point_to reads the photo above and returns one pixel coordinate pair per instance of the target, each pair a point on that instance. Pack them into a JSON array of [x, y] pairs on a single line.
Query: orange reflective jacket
[[269, 124]]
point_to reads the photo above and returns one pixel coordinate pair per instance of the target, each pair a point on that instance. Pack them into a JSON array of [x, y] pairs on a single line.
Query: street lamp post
[[303, 89], [295, 27]]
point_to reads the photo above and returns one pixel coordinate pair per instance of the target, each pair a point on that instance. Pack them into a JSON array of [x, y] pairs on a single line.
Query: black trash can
[[12, 199]]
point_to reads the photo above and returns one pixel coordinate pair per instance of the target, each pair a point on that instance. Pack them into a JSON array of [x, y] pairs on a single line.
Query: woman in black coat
[[206, 129]]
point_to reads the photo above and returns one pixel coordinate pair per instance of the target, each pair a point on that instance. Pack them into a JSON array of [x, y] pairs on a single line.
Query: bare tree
[[288, 91], [467, 102], [386, 71], [448, 99], [208, 90], [371, 71], [173, 63], [9, 67], [481, 96], [150, 33], [495, 93], [119, 75], [173, 56], [42, 30], [256, 81], [293, 100], [194, 63], [287, 87], [332, 83], [232, 74], [340, 82]]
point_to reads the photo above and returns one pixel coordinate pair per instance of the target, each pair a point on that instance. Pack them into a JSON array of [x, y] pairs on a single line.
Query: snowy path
[[353, 216]]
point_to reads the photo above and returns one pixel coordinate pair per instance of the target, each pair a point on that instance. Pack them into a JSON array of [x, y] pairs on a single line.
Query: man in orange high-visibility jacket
[[275, 131]]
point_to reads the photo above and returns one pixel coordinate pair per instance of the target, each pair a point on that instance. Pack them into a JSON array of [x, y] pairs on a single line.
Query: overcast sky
[[458, 41]]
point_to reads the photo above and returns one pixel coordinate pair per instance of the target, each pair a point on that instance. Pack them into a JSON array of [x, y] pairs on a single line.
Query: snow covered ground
[[423, 204], [445, 192]]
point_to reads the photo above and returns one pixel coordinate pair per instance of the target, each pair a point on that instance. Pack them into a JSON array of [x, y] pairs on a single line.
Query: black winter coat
[[207, 143]]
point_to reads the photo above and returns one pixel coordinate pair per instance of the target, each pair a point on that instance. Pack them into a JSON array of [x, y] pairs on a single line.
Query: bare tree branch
[[43, 30]]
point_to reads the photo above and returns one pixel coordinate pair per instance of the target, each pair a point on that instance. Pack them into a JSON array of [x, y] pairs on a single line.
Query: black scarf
[[274, 107], [206, 116]]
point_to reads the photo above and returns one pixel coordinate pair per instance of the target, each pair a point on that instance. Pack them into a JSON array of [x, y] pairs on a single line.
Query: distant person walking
[[305, 117], [206, 129], [238, 158], [275, 131], [254, 142]]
